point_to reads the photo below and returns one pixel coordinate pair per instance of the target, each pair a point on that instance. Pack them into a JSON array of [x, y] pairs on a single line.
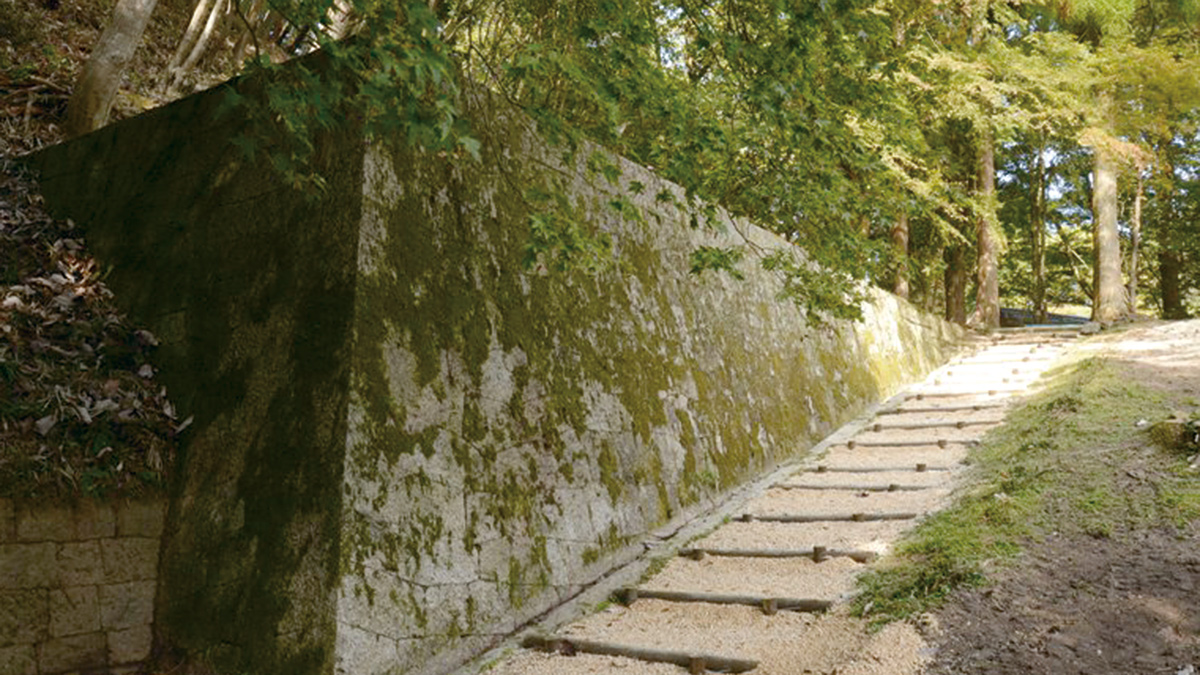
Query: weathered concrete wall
[[77, 585], [406, 442]]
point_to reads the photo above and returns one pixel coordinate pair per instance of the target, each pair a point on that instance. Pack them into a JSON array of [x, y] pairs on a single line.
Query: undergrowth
[[1075, 460]]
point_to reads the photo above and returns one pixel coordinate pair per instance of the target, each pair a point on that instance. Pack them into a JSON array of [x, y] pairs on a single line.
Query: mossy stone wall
[[407, 441], [250, 288]]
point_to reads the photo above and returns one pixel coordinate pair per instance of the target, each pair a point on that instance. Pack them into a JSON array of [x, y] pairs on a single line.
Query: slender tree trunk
[[900, 243], [197, 51], [1083, 277], [199, 13], [249, 34], [1135, 240], [1037, 234], [956, 284], [97, 85], [1109, 292], [987, 301], [1169, 266]]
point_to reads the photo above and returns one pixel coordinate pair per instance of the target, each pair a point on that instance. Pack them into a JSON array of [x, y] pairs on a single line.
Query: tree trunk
[[97, 85], [1168, 269], [177, 77], [987, 301], [956, 284], [900, 243], [1037, 224], [1135, 240], [1109, 292], [199, 13]]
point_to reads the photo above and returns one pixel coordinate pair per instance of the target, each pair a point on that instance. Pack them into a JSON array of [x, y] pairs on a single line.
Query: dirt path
[[806, 539], [1124, 603]]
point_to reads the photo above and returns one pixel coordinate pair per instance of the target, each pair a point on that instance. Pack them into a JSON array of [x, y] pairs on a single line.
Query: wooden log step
[[1042, 328], [938, 409], [960, 424], [891, 487], [921, 467], [695, 662], [995, 362], [1049, 340], [966, 394], [769, 605], [831, 518], [939, 442], [816, 553]]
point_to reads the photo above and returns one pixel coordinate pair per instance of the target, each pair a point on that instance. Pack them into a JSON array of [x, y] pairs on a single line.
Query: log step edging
[[959, 424], [695, 662], [920, 467], [920, 396], [939, 409], [939, 442], [769, 605], [829, 518], [890, 487], [816, 553]]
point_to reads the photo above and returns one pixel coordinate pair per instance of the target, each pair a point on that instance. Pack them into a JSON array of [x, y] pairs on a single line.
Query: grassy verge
[[1072, 460]]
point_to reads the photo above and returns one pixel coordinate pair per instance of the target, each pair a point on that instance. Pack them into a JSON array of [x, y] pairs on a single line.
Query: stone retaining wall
[[77, 586], [408, 441]]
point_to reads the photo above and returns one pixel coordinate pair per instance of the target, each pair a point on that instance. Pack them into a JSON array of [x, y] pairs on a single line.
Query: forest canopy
[[966, 155]]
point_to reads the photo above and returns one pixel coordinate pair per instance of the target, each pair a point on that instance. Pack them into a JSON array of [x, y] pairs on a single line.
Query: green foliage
[[561, 238], [715, 258], [820, 121]]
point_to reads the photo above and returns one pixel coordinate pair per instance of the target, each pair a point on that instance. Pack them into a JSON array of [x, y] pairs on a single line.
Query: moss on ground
[[1072, 460]]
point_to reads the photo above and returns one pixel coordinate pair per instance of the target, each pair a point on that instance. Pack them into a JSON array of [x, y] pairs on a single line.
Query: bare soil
[[1128, 603], [1081, 605]]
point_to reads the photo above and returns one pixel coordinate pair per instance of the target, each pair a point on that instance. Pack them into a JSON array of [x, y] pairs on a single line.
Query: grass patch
[[1071, 460]]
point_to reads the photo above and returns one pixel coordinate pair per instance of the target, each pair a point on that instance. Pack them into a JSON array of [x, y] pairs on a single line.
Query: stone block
[[129, 559], [8, 521], [80, 564], [129, 645], [45, 523], [74, 610], [28, 565], [24, 616], [127, 605], [77, 652], [141, 518], [95, 520], [18, 660]]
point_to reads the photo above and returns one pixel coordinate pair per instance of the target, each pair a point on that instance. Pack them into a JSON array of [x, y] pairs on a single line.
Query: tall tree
[[1108, 289], [987, 300], [900, 245]]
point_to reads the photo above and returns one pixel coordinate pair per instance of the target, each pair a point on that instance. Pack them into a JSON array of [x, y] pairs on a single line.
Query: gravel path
[[871, 536], [851, 482], [764, 577]]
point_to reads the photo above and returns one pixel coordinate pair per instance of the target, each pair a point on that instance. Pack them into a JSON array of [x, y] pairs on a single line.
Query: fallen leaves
[[80, 410]]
